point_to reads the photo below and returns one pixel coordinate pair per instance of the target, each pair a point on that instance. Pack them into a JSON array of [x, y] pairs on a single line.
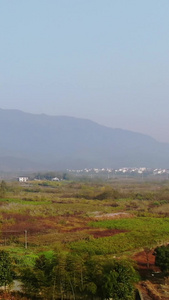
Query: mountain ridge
[[61, 142]]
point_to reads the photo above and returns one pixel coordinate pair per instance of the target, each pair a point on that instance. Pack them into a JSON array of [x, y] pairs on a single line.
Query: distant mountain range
[[32, 142]]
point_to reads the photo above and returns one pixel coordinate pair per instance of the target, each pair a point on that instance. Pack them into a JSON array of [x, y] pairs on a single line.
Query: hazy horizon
[[103, 61]]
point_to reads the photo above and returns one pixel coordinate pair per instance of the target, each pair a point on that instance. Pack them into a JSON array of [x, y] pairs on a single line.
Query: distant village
[[122, 171], [108, 173]]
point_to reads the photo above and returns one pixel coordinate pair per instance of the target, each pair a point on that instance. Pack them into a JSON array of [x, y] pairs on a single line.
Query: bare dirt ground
[[75, 224], [117, 215], [155, 286], [12, 296]]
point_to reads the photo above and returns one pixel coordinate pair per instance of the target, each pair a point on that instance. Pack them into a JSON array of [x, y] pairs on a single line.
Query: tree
[[41, 278], [30, 281], [76, 274], [71, 276], [111, 278], [6, 269], [3, 188], [118, 280], [162, 258]]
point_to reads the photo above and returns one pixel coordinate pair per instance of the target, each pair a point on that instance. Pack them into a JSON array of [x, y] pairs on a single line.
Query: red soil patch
[[12, 296], [144, 258], [151, 287], [146, 266], [75, 229], [14, 223], [95, 233]]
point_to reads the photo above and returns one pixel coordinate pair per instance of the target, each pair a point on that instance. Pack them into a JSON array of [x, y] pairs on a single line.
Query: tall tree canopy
[[6, 269], [162, 258]]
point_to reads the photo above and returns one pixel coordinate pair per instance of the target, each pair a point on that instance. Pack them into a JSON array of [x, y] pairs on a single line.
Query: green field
[[140, 232], [68, 224]]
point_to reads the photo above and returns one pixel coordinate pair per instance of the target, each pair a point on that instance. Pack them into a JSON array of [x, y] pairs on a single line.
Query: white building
[[23, 179]]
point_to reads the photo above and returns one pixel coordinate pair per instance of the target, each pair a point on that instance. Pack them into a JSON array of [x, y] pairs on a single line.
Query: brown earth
[[44, 230], [154, 285], [144, 258], [117, 215], [12, 296], [95, 233]]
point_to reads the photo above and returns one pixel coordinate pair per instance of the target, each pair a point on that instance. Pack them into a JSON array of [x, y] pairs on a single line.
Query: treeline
[[63, 275], [70, 276]]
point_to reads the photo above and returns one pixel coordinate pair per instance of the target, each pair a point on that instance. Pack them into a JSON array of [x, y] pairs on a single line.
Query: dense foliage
[[6, 269], [70, 276], [162, 257]]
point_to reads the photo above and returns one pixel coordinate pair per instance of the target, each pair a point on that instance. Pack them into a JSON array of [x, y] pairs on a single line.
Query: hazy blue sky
[[105, 60]]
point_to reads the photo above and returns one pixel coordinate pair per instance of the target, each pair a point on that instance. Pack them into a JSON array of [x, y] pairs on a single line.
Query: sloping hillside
[[50, 142]]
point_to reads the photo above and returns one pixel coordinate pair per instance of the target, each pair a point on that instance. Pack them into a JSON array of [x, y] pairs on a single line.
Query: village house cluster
[[122, 171]]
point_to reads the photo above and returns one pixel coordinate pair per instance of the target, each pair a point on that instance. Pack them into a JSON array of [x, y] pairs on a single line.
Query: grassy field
[[76, 223], [85, 216], [140, 233]]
